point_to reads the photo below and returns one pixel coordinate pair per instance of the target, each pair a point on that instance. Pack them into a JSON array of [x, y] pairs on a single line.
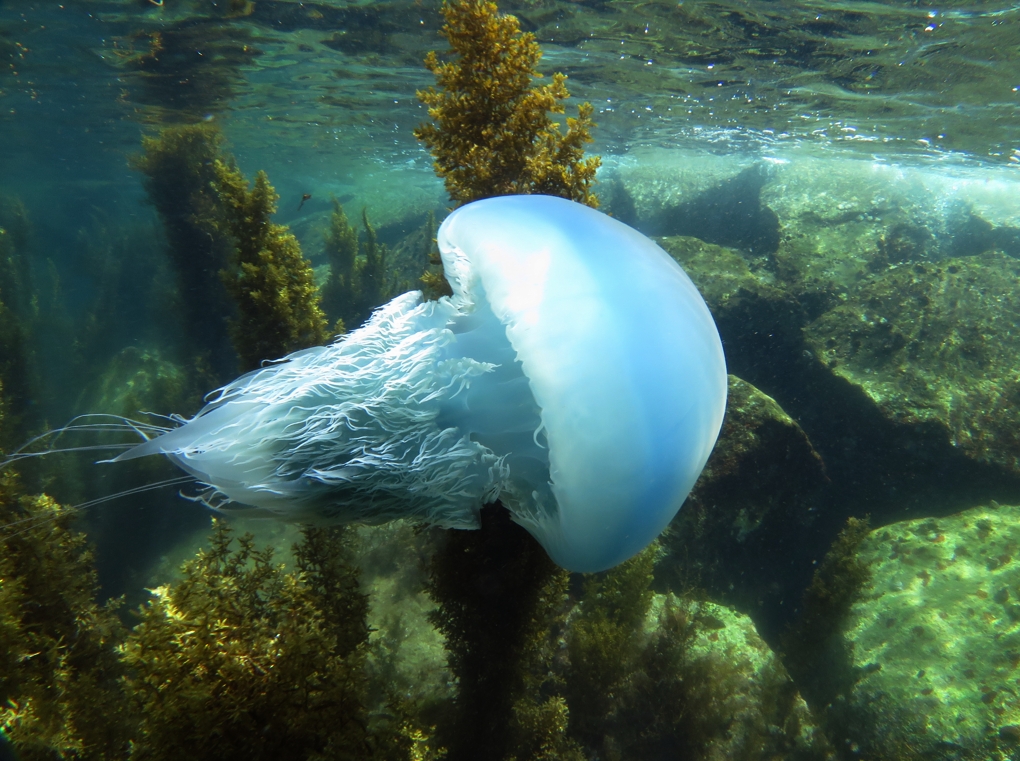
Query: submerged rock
[[935, 639], [759, 318], [138, 380], [936, 345], [742, 702], [406, 655], [753, 503]]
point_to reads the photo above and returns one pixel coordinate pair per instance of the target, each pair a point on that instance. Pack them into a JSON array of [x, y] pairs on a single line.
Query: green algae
[[59, 690], [935, 639], [341, 290], [239, 659], [501, 603], [361, 274], [178, 171]]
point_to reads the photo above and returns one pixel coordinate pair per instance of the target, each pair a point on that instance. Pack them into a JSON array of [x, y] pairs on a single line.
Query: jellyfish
[[575, 375]]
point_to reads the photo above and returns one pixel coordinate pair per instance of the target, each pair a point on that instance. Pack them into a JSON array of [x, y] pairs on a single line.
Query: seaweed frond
[[605, 641], [239, 660], [491, 133], [340, 292], [178, 173], [269, 279], [357, 282], [59, 691], [501, 608]]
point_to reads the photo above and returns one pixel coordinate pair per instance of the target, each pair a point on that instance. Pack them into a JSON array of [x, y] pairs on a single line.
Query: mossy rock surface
[[823, 258], [725, 277], [749, 703], [936, 344], [750, 306], [935, 639], [760, 449], [845, 221], [755, 498]]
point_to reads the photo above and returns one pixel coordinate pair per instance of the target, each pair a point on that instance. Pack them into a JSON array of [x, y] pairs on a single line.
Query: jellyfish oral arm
[[348, 432]]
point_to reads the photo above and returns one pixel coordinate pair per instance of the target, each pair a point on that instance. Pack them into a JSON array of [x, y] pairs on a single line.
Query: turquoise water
[[841, 180], [334, 83]]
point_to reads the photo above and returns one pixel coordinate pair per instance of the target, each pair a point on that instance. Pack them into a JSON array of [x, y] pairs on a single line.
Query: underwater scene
[[594, 380]]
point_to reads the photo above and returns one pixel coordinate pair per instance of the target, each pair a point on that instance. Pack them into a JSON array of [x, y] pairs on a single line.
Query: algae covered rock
[[935, 345], [822, 257], [754, 500], [724, 276], [730, 693], [843, 220], [759, 319], [935, 639]]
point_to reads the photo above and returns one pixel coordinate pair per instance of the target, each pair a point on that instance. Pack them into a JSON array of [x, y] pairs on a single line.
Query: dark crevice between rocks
[[970, 235], [729, 214], [875, 467]]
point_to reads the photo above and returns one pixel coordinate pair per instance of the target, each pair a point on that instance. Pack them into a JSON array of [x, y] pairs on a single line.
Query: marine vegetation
[[501, 609], [357, 283], [270, 281], [605, 641], [59, 691], [215, 223], [237, 659], [491, 133], [373, 268], [339, 293], [19, 315], [635, 691], [240, 659], [433, 284], [178, 166]]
